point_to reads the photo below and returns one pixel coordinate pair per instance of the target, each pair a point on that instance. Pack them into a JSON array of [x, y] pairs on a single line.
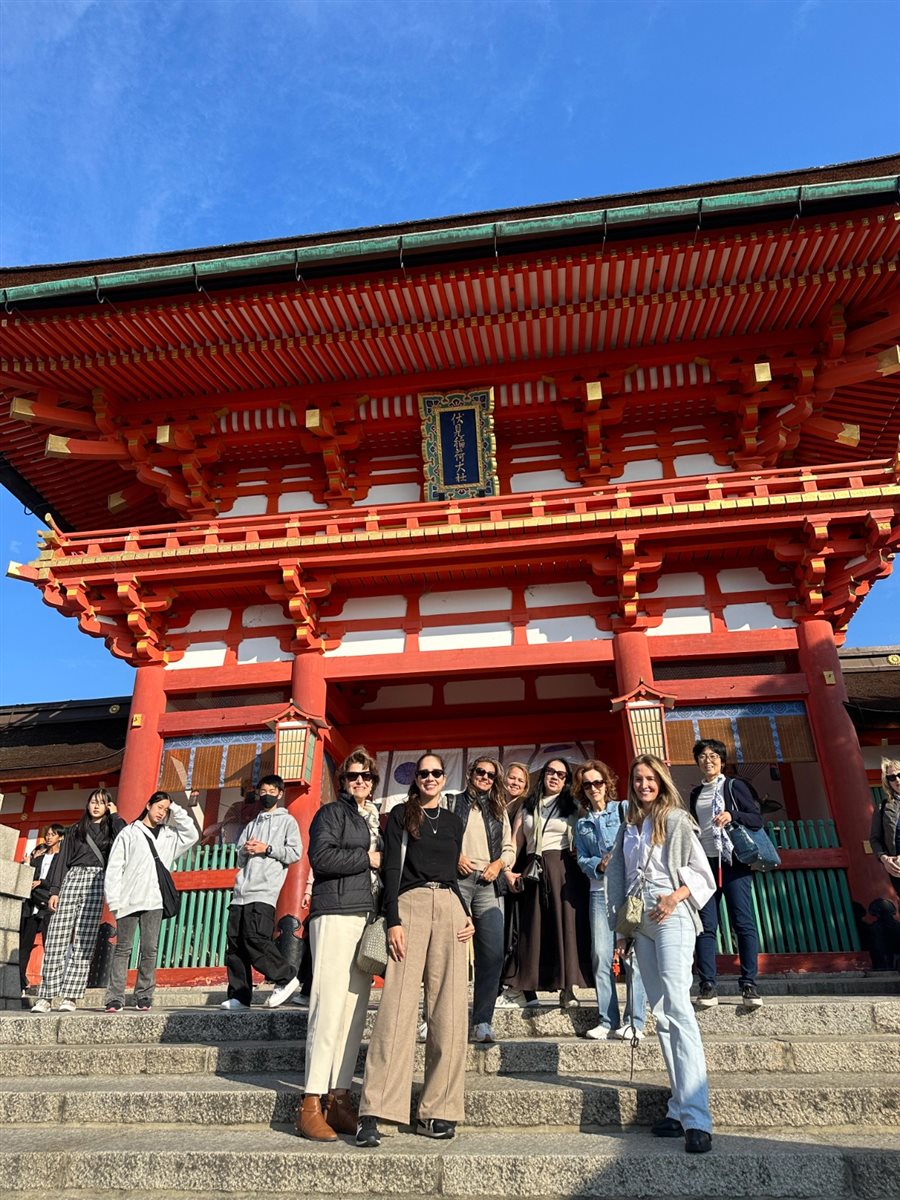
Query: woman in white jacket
[[133, 895]]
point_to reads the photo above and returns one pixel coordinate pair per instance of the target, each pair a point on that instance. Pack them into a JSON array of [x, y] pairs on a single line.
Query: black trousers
[[30, 925], [250, 944]]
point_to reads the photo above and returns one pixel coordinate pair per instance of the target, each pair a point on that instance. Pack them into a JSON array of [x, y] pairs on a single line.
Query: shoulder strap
[[96, 849], [150, 844]]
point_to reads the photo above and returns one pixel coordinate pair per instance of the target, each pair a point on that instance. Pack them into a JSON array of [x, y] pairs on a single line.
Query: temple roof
[[69, 739]]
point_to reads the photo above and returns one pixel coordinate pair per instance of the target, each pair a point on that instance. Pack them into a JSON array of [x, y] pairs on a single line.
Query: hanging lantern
[[645, 709], [295, 745]]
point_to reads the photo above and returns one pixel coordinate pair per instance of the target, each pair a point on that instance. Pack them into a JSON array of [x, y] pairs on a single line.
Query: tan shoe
[[312, 1124], [339, 1112]]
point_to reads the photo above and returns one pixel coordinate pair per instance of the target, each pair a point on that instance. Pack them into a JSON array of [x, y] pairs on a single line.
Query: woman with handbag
[[657, 880], [595, 834], [554, 947], [716, 804], [427, 928], [76, 902], [885, 836], [35, 913], [345, 859]]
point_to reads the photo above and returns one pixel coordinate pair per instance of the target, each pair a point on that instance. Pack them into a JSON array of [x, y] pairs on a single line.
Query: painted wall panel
[[544, 630], [435, 604]]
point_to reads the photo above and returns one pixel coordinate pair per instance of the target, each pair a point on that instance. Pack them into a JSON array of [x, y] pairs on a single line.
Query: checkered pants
[[71, 935]]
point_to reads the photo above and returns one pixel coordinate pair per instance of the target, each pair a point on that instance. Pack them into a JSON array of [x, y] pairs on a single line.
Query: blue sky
[[136, 126]]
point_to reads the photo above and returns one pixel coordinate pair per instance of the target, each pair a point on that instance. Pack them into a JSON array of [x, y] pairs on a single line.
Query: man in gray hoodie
[[266, 848]]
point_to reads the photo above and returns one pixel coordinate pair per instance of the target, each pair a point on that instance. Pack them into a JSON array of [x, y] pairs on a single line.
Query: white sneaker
[[68, 1006], [600, 1033], [567, 998], [628, 1033], [280, 994], [233, 1005], [40, 1006], [510, 999], [483, 1033], [422, 1031]]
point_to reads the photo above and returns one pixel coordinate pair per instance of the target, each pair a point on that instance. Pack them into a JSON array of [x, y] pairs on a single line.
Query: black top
[[77, 853], [433, 857], [339, 856]]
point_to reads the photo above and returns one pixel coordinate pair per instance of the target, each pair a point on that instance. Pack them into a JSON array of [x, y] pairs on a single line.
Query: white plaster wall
[[245, 506], [639, 470], [540, 481], [484, 691], [393, 493], [684, 583], [544, 630], [759, 615], [698, 464], [466, 637], [62, 798], [872, 755], [436, 604], [298, 502], [682, 621], [203, 654], [413, 695], [205, 619], [373, 607], [262, 650], [260, 615], [746, 579], [12, 802], [370, 641], [552, 595], [564, 687]]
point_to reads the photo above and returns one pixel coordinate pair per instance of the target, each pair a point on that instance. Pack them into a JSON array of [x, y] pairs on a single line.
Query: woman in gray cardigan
[[885, 836], [658, 856]]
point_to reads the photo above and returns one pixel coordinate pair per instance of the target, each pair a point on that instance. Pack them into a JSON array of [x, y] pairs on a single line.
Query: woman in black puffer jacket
[[345, 857]]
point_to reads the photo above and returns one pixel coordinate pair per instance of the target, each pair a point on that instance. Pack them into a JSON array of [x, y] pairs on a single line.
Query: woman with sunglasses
[[595, 835], [484, 865], [76, 902], [554, 946], [428, 926], [345, 857], [885, 836]]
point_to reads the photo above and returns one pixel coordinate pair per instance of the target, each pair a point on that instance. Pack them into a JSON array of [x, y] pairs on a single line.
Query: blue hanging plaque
[[458, 446]]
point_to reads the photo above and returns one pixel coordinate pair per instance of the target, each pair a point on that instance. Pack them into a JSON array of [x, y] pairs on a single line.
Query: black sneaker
[[143, 1005], [668, 1127], [367, 1134], [750, 996], [114, 1007], [707, 997], [697, 1141], [434, 1127]]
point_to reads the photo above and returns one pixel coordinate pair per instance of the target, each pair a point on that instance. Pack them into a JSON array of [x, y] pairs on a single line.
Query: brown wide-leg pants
[[431, 920]]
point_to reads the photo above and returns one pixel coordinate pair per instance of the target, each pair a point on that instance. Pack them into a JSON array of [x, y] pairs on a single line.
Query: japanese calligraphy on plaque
[[458, 447]]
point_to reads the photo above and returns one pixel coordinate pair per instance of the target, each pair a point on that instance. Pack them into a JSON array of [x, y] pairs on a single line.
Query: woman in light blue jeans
[[595, 834], [658, 856]]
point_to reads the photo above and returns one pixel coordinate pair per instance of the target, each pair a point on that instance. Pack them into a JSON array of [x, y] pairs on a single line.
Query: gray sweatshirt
[[260, 878]]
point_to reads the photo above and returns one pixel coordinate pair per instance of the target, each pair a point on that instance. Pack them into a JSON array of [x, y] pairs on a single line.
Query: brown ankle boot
[[312, 1124], [340, 1113]]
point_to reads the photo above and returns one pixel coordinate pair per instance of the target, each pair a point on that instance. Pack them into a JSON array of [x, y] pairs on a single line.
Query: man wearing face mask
[[266, 848]]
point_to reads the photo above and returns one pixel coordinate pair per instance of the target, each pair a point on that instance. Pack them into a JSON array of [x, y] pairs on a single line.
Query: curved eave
[[532, 231]]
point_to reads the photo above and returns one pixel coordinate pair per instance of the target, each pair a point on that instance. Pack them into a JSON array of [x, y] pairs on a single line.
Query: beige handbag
[[372, 952]]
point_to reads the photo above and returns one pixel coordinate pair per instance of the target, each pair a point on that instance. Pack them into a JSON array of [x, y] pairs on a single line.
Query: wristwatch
[[268, 851]]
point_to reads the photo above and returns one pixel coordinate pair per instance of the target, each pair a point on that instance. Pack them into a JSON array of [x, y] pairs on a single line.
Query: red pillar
[[143, 745], [308, 691], [840, 758], [631, 654]]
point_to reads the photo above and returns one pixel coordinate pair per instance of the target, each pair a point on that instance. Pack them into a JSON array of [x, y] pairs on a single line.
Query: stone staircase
[[196, 1102]]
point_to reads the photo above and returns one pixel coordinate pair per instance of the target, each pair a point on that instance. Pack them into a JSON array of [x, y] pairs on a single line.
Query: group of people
[[536, 872]]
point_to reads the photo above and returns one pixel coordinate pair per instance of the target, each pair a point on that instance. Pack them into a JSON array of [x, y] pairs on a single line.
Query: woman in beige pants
[[428, 926]]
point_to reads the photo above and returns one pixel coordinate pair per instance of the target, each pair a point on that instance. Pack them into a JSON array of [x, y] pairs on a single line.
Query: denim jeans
[[486, 908], [603, 942], [149, 922], [665, 953], [737, 888]]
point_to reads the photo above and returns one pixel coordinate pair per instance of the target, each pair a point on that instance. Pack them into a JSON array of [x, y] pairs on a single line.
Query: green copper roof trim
[[461, 235]]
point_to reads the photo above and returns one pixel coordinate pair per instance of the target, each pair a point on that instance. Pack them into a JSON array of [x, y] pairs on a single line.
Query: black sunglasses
[[892, 778], [483, 774], [365, 776], [434, 773]]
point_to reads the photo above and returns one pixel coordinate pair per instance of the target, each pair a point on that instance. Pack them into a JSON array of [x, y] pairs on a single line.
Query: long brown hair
[[412, 818], [668, 800], [497, 796]]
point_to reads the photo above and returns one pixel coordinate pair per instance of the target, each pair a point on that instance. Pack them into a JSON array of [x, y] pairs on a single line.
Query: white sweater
[[130, 883]]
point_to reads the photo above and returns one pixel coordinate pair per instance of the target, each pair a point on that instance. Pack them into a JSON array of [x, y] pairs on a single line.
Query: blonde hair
[[668, 800], [889, 766]]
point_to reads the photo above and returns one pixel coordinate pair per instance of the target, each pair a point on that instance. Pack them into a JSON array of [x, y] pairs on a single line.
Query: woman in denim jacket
[[595, 835]]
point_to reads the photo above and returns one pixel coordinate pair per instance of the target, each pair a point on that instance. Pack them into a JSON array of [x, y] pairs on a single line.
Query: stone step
[[206, 1164], [569, 1056], [844, 1016], [737, 1101]]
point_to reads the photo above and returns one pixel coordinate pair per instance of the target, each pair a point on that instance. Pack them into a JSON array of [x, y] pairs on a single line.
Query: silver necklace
[[433, 822]]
